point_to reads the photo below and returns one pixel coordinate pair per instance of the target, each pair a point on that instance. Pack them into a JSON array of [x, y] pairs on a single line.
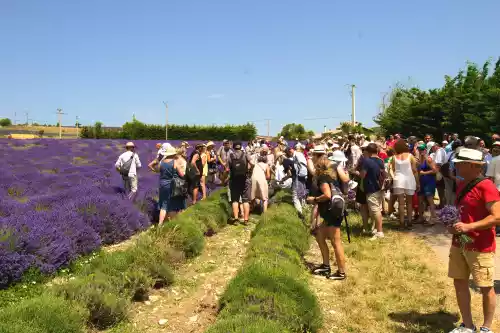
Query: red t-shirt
[[472, 208], [382, 155], [391, 143]]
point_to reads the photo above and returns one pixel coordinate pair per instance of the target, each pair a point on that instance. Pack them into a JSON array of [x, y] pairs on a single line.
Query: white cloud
[[216, 96]]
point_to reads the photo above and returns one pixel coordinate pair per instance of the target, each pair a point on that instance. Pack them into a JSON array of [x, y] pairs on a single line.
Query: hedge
[[270, 292], [100, 293], [136, 130]]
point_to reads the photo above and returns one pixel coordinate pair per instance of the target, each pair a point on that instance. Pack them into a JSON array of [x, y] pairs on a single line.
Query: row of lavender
[[60, 199]]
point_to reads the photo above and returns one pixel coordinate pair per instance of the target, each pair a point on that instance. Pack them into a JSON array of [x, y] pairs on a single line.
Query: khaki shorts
[[374, 201], [481, 265]]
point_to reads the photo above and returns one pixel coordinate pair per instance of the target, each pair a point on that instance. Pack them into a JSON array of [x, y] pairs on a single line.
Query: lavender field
[[61, 199]]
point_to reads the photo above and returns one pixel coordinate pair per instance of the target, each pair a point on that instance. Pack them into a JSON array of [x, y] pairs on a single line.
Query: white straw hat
[[467, 155], [337, 156]]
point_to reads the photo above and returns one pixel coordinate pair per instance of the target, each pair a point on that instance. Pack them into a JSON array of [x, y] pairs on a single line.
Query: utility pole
[[353, 97], [268, 127], [27, 118], [77, 126], [59, 119], [166, 121]]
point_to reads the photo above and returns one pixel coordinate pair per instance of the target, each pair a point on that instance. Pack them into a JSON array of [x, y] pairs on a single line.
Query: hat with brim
[[337, 156], [170, 151], [129, 145], [496, 144], [319, 150], [210, 144], [467, 155]]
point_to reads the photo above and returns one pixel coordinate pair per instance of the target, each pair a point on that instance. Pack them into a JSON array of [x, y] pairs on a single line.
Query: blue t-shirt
[[372, 166]]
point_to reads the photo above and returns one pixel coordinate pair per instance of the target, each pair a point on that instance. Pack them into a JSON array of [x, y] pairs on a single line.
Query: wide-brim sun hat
[[330, 142], [338, 156], [319, 149], [467, 155], [496, 144], [129, 144], [170, 151], [165, 146], [210, 143], [335, 145]]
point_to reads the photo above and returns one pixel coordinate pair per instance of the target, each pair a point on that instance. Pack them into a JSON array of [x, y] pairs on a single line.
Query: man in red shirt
[[478, 202]]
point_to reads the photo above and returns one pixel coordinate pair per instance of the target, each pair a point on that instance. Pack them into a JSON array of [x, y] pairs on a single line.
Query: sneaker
[[377, 235], [336, 276], [463, 329], [322, 269], [485, 330], [393, 216], [232, 221]]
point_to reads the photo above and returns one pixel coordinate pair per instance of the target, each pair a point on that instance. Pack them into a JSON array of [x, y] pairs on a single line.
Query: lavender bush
[[60, 199]]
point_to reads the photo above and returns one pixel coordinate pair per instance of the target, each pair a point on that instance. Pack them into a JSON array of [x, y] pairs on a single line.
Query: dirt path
[[440, 241], [190, 305]]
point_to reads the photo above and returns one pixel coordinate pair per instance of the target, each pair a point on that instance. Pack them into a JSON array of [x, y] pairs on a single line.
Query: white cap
[[130, 144]]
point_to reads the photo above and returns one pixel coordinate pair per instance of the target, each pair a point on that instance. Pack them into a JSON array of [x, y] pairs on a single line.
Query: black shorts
[[332, 221], [239, 187], [194, 183]]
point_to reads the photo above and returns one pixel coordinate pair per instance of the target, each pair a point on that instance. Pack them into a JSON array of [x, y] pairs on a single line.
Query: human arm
[[414, 170], [268, 172], [432, 167], [326, 194], [490, 221], [138, 164], [343, 176], [118, 164], [153, 164], [179, 167]]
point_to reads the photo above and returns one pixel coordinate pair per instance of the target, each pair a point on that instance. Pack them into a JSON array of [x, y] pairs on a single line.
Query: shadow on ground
[[416, 322]]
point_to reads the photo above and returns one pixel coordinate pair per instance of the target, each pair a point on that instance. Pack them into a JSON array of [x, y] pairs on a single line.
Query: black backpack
[[125, 168], [238, 164], [445, 168]]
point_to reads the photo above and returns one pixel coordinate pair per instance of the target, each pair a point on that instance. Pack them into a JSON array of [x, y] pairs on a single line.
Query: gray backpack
[[125, 169]]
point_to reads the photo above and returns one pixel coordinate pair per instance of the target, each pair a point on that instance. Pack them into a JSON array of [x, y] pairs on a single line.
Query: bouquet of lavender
[[351, 196], [449, 215]]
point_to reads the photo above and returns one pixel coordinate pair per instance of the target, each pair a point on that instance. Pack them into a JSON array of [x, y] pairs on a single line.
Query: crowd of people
[[405, 179]]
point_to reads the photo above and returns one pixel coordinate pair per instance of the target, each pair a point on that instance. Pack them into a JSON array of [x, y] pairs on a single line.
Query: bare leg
[[364, 216], [163, 214], [463, 299], [264, 206], [392, 201], [195, 195], [409, 209], [421, 208], [203, 187], [323, 247], [338, 248], [246, 211], [401, 208], [236, 210], [489, 304], [432, 207]]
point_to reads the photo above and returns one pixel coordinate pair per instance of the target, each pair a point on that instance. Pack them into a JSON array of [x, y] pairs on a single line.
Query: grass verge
[[99, 292], [270, 292], [396, 284]]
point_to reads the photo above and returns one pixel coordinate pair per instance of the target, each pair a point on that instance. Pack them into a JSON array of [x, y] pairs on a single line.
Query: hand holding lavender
[[449, 216]]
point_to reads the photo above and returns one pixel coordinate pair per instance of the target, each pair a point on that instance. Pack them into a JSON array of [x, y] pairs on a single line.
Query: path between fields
[[440, 241], [190, 305]]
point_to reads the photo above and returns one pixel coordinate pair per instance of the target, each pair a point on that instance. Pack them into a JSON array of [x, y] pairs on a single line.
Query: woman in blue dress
[[427, 171], [170, 167]]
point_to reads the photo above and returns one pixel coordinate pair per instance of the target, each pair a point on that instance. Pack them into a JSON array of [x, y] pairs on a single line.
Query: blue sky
[[230, 61]]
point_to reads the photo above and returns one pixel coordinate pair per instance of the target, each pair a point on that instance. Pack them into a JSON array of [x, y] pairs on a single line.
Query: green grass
[[270, 292], [102, 286], [44, 314]]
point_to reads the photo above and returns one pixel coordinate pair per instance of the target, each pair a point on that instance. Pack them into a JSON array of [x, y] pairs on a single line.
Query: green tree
[[467, 104], [294, 131], [5, 122]]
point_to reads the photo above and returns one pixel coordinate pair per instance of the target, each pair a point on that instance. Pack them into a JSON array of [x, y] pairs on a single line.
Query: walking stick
[[347, 226]]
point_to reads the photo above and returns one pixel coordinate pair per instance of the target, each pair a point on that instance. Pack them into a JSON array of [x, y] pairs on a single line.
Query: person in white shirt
[[127, 165], [438, 155], [493, 171]]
